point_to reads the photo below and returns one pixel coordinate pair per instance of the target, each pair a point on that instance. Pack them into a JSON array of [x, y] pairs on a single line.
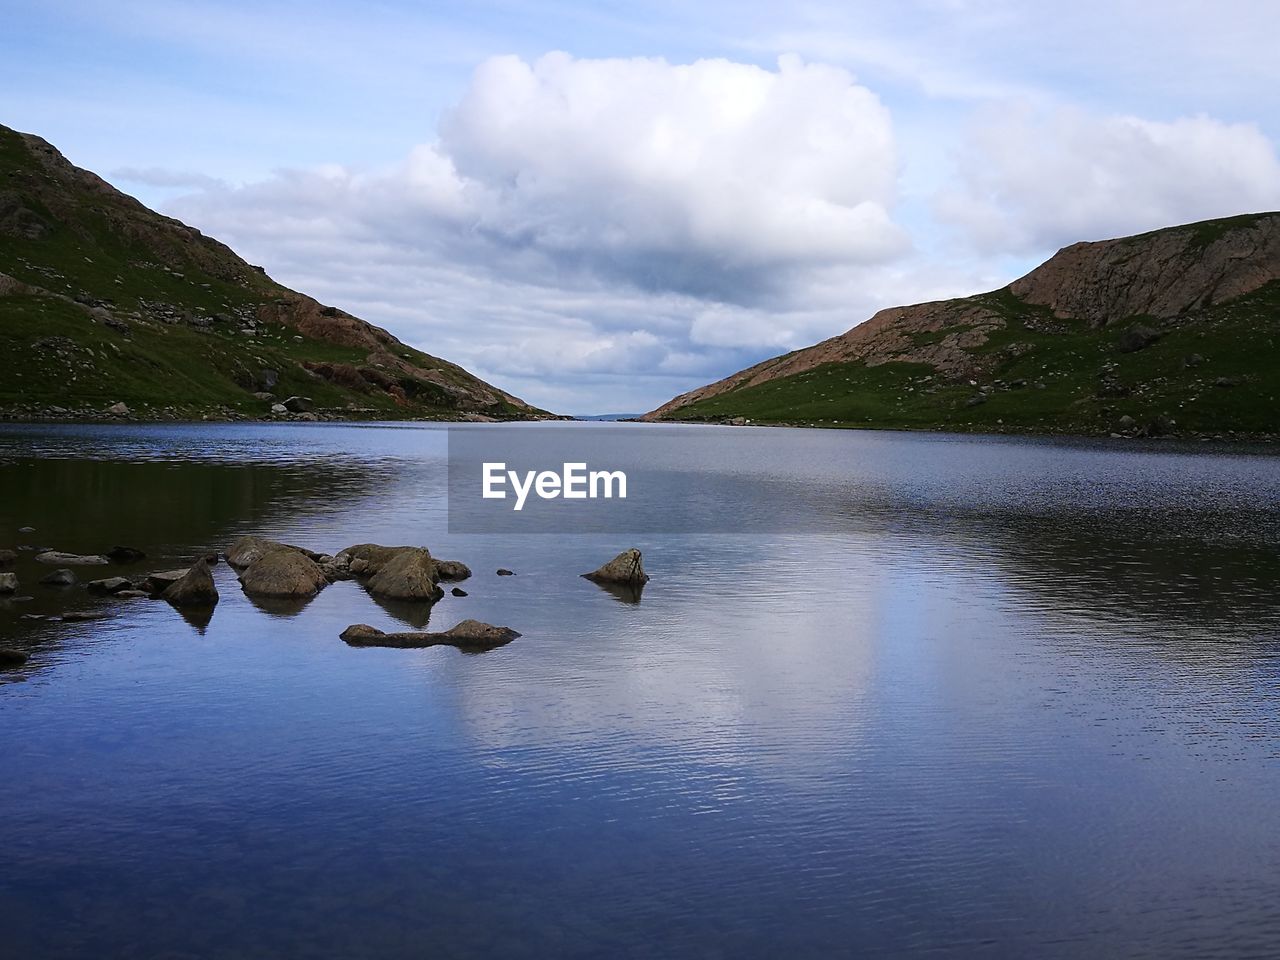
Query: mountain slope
[[103, 301], [1173, 331]]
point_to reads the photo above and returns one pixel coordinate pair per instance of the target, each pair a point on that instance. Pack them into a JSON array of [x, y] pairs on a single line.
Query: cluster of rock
[[270, 569]]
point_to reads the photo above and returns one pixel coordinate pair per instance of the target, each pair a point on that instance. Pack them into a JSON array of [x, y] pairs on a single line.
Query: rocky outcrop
[[195, 589], [283, 572], [1160, 274], [626, 568], [467, 635]]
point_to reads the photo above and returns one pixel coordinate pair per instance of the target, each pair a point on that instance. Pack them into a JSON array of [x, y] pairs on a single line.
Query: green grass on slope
[[1072, 381], [53, 353]]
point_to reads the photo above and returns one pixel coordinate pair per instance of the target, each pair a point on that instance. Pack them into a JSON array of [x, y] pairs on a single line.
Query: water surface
[[991, 697]]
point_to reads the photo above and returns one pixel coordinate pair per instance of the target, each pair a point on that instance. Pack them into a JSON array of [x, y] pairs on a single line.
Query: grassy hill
[[1176, 332], [103, 301]]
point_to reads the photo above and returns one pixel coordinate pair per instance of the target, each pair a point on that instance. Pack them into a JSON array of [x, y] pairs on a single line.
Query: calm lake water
[[997, 698]]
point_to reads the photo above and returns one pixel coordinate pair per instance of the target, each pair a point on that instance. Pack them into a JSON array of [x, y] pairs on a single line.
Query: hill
[[103, 301], [1176, 331]]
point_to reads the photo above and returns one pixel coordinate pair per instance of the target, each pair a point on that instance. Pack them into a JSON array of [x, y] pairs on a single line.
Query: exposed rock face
[[55, 557], [1160, 274], [625, 568], [468, 635], [283, 572], [195, 589], [410, 574], [8, 583]]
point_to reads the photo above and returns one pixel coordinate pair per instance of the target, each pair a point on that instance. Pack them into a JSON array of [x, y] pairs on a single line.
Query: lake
[[975, 696]]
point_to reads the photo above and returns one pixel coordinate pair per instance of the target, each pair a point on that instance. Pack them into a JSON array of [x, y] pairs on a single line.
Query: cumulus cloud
[[1031, 180], [593, 216]]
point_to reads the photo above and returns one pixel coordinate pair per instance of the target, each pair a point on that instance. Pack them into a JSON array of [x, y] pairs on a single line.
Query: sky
[[600, 206]]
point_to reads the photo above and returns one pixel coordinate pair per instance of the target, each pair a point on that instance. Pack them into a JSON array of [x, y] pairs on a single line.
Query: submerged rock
[[79, 616], [195, 589], [125, 554], [60, 578], [469, 634], [7, 557], [408, 575], [626, 567], [8, 583], [10, 657], [283, 572], [55, 557]]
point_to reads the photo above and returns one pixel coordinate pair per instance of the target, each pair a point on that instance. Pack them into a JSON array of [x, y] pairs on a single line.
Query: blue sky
[[599, 206]]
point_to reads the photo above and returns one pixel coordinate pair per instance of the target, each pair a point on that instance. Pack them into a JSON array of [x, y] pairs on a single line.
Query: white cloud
[[593, 217], [1038, 180]]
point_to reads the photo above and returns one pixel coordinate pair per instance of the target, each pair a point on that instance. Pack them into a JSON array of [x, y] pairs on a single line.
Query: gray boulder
[[195, 589], [60, 578], [467, 635], [125, 554], [7, 557], [626, 568], [110, 585], [283, 572], [1138, 337], [298, 404], [57, 557], [158, 582], [8, 583]]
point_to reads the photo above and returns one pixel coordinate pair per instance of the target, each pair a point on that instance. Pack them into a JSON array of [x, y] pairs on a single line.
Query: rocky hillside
[[106, 305], [1171, 332]]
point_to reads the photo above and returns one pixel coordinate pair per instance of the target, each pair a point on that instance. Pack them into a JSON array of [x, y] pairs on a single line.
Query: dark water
[[1008, 699]]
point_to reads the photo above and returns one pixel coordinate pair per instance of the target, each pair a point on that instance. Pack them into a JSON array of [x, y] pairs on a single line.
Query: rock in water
[[125, 554], [458, 592], [156, 582], [195, 589], [469, 635], [7, 557], [283, 572], [8, 583], [452, 570], [246, 550], [409, 575], [10, 657], [626, 567], [504, 572], [54, 557], [60, 578], [110, 585]]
